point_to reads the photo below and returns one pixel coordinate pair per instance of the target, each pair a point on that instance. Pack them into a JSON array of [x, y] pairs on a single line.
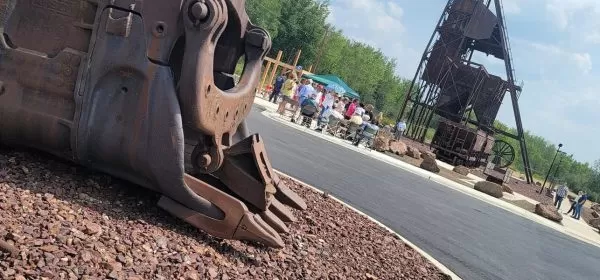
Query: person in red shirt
[[351, 109]]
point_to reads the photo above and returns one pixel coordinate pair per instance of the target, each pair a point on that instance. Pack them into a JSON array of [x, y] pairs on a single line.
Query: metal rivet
[[160, 29], [204, 160], [199, 11]]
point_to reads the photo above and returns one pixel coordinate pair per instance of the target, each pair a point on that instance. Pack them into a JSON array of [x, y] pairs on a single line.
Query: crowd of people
[[311, 100]]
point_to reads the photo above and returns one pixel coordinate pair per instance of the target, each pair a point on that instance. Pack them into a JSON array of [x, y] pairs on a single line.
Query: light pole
[[553, 180], [551, 165]]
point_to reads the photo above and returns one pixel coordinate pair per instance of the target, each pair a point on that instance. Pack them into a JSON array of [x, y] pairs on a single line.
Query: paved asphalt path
[[472, 238]]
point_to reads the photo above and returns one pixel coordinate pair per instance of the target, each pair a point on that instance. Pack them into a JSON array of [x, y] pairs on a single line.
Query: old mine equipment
[[141, 90], [459, 98]]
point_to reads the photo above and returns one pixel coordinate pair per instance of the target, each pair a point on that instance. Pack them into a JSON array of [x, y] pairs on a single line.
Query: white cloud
[[512, 6], [583, 61], [563, 12], [395, 10], [593, 38], [560, 95], [378, 23], [377, 15]]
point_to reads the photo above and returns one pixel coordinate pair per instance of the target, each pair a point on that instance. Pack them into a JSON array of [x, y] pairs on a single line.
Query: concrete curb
[[436, 263], [438, 179]]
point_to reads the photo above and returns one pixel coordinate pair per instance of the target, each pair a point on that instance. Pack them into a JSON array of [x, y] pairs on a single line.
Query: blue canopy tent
[[327, 80]]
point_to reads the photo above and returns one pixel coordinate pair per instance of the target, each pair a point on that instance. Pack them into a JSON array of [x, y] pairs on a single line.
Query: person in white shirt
[[327, 104], [574, 204], [360, 110], [329, 99], [400, 128], [561, 193]]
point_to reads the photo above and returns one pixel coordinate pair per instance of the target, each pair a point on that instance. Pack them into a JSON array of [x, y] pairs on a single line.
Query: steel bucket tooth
[[248, 173], [238, 223], [252, 227], [287, 196], [274, 221], [282, 212]]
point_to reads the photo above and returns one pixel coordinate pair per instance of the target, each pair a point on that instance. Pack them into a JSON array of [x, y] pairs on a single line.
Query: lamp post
[[562, 156], [551, 165]]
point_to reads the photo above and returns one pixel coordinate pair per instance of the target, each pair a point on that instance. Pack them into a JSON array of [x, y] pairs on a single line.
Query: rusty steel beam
[[137, 89]]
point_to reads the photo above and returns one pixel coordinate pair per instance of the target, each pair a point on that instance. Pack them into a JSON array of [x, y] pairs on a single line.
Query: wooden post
[[275, 66], [297, 58], [264, 76], [310, 67]]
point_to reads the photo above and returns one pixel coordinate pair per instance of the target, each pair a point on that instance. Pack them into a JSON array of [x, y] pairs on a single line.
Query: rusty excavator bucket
[[142, 90]]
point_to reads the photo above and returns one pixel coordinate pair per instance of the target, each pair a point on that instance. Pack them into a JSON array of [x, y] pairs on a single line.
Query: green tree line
[[578, 176], [301, 24]]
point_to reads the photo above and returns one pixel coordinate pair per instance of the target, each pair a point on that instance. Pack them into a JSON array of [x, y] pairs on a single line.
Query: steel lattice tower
[[449, 84]]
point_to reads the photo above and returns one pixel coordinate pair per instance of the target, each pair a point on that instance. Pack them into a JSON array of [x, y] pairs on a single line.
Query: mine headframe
[[458, 97]]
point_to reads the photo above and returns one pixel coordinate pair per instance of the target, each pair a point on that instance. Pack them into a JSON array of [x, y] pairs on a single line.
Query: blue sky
[[555, 46]]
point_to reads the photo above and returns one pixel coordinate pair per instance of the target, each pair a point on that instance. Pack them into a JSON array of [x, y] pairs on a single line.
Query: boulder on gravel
[[462, 170], [507, 189], [425, 153], [413, 152], [595, 223], [548, 211], [381, 144], [429, 163], [490, 188], [538, 184], [398, 148]]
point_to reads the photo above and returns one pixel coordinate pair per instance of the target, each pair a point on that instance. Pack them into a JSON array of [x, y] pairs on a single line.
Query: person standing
[[277, 88], [561, 193], [400, 128], [574, 204], [288, 90], [579, 206], [299, 88], [328, 101], [306, 91]]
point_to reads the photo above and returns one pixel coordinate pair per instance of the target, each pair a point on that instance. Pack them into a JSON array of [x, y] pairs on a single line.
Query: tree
[[301, 27], [266, 14]]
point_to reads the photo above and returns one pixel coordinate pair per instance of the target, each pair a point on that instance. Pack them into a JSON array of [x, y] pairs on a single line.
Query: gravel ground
[[416, 144], [522, 203], [70, 223], [521, 187]]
